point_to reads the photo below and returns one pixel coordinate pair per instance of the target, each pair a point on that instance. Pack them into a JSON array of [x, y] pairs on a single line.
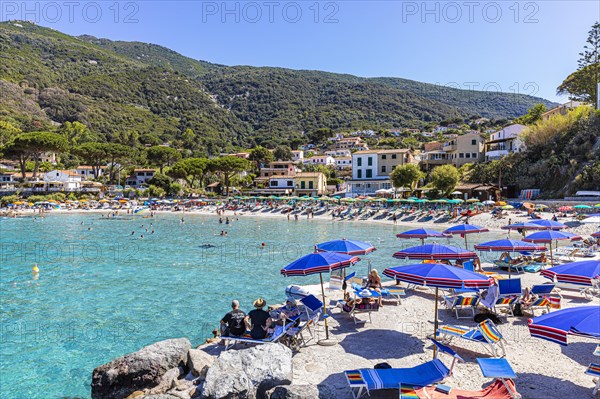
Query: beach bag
[[517, 310], [382, 366]]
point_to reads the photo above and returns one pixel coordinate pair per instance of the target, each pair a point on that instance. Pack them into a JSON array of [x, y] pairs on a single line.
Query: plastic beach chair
[[509, 287], [499, 369], [314, 310], [486, 333], [594, 370], [362, 381], [462, 302], [507, 302]]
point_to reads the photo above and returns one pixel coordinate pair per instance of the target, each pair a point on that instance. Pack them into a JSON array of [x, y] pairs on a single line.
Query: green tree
[[406, 176], [260, 156], [160, 180], [76, 133], [444, 178], [7, 132], [94, 155], [189, 138], [28, 146], [533, 115], [190, 170], [582, 85], [162, 156], [118, 157], [283, 153], [228, 166]]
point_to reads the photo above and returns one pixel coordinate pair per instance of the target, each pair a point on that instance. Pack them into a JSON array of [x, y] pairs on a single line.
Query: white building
[[62, 180], [504, 142], [324, 160], [343, 163], [139, 177], [282, 183], [338, 153], [297, 155], [371, 170], [87, 172]]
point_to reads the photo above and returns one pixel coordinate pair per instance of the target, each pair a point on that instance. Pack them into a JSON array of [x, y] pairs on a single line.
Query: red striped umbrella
[[580, 273], [435, 252]]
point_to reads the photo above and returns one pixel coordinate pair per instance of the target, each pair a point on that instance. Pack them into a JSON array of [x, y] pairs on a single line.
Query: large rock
[[139, 370], [248, 373], [198, 362]]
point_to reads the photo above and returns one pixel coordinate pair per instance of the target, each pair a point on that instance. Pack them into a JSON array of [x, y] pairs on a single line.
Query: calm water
[[102, 292]]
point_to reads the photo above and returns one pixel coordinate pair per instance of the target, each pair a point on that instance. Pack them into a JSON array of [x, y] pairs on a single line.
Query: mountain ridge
[[119, 87]]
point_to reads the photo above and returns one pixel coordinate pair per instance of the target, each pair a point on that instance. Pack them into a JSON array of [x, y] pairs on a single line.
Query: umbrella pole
[[551, 259], [466, 244], [435, 324], [324, 308]]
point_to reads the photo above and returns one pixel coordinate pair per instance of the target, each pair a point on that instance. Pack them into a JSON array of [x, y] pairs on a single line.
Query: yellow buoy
[[35, 269]]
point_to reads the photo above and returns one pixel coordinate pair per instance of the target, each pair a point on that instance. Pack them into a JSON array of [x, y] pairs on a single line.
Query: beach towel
[[496, 390]]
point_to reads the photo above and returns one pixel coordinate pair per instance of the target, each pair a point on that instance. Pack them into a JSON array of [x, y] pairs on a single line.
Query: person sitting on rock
[[258, 320], [232, 324]]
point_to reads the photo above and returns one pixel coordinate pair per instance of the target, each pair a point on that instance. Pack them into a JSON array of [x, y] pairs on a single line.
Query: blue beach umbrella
[[435, 252], [507, 245], [556, 326], [319, 262], [344, 246], [547, 236], [580, 273], [549, 224], [596, 234], [464, 229], [421, 233], [439, 276], [523, 226]]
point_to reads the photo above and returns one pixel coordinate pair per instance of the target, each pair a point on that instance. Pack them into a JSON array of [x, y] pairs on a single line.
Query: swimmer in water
[[152, 231], [133, 233], [142, 236]]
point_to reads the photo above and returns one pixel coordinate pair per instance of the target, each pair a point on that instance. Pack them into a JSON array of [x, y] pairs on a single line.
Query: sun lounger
[[501, 370], [388, 293], [507, 302], [486, 333], [462, 302], [597, 350], [497, 390], [362, 381], [278, 333], [594, 370]]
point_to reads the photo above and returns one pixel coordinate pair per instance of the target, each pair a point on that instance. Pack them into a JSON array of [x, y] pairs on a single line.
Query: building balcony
[[449, 147]]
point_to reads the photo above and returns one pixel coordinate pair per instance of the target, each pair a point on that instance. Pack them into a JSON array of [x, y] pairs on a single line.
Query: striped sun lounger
[[362, 381], [485, 333], [594, 370]]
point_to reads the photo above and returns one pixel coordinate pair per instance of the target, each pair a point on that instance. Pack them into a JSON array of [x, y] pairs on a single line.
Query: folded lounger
[[362, 381], [486, 333]]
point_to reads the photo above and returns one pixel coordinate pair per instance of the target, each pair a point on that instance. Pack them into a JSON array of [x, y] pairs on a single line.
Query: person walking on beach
[[296, 217], [232, 324], [395, 218]]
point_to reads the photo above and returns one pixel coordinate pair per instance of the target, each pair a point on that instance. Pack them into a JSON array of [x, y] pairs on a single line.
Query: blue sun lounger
[[279, 332], [500, 369], [485, 333], [362, 381]]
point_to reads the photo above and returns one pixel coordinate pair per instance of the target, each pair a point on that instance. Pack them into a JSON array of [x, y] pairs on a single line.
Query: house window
[[290, 183], [359, 161], [359, 174], [468, 155], [302, 184], [461, 155], [473, 142], [384, 156], [473, 155], [369, 173], [310, 185], [393, 156], [274, 183], [370, 161], [382, 168]]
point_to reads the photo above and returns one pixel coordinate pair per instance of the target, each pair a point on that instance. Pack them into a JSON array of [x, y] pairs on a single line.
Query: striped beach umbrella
[[319, 262], [547, 236], [422, 234], [507, 245], [549, 224], [439, 276], [435, 252], [556, 326], [580, 273], [596, 234], [344, 246], [464, 229]]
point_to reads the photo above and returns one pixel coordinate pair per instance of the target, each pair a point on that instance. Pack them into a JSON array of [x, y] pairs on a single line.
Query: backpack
[[382, 366], [517, 310]]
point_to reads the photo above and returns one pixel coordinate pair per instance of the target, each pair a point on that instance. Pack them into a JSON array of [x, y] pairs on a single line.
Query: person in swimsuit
[[374, 283]]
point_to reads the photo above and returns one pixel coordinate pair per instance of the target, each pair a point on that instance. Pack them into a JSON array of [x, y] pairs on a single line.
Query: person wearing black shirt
[[232, 324], [257, 320]]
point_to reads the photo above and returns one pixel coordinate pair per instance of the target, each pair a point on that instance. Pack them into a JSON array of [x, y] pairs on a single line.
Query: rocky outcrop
[[140, 370], [198, 362], [248, 373]]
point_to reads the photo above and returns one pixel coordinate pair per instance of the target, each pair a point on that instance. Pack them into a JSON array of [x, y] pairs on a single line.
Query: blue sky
[[527, 47]]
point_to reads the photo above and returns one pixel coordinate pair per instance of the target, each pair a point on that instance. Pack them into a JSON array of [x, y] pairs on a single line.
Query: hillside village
[[354, 164]]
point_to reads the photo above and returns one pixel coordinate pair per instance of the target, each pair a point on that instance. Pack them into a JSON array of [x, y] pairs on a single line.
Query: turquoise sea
[[102, 292]]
